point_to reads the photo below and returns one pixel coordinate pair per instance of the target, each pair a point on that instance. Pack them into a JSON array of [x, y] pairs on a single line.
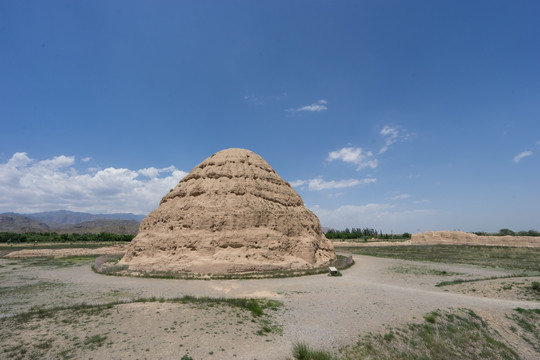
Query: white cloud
[[297, 183], [370, 163], [401, 197], [391, 132], [318, 183], [28, 185], [86, 159], [253, 99], [522, 155], [263, 100], [57, 162], [391, 135], [19, 159], [312, 107], [316, 107], [153, 172], [347, 154], [365, 159], [354, 155]]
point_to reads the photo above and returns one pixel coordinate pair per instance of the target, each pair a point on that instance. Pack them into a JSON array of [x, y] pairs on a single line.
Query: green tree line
[[8, 237], [504, 232], [365, 233]]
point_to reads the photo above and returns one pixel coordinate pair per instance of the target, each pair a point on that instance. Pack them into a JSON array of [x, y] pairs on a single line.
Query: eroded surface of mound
[[232, 213]]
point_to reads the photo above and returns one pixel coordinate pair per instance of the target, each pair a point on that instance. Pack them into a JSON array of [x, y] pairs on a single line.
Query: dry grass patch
[[442, 335], [510, 258], [458, 334], [114, 329]]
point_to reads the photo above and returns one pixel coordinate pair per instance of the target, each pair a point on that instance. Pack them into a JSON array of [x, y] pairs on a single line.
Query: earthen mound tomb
[[231, 214]]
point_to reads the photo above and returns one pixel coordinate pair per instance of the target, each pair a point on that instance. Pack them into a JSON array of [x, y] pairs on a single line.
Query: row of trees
[[504, 232], [354, 233], [7, 237], [365, 233]]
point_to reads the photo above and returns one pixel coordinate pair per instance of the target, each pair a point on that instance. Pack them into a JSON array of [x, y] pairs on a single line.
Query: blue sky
[[397, 115]]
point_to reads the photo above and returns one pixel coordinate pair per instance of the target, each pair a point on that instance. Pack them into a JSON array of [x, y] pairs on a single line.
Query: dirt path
[[326, 312]]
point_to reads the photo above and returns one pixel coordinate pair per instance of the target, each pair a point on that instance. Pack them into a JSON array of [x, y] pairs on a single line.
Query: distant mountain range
[[70, 222], [64, 221], [71, 217]]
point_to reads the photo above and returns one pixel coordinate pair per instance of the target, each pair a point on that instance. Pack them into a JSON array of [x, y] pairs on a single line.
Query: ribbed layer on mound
[[232, 213]]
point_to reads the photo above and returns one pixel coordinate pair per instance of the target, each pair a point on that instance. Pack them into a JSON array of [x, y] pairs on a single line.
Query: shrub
[[301, 351], [430, 318], [255, 307], [97, 340]]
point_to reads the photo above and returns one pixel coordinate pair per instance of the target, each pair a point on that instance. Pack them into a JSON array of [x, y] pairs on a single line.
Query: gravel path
[[325, 312]]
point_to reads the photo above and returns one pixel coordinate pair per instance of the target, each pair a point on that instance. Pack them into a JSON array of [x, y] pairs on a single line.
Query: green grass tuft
[[95, 340], [528, 321], [301, 351], [255, 307], [430, 318]]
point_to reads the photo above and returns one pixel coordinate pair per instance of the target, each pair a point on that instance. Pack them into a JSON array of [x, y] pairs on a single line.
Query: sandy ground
[[325, 312]]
